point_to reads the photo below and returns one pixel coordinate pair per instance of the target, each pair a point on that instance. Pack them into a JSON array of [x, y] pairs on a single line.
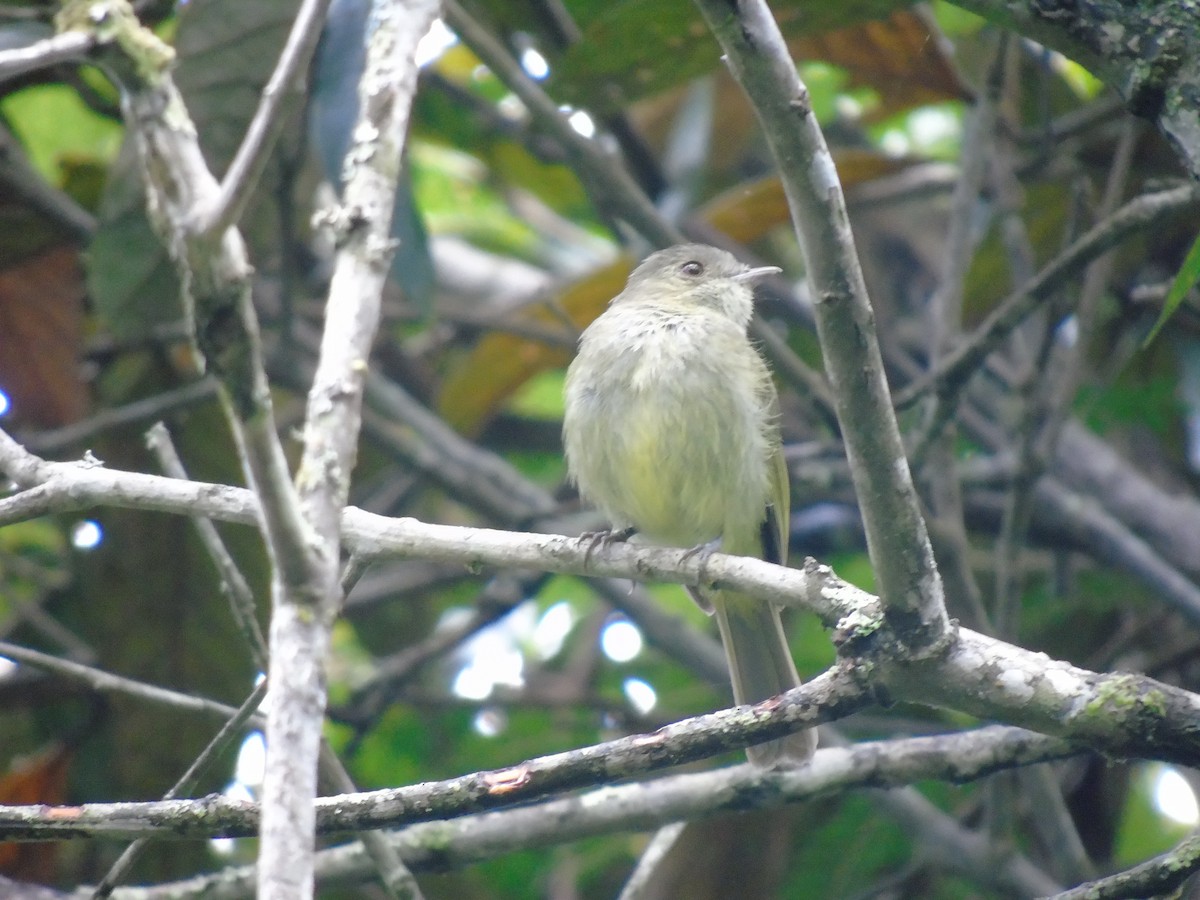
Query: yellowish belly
[[683, 481]]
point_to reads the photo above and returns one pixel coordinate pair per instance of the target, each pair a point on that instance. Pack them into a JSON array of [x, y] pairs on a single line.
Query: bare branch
[[951, 375], [301, 619], [71, 46], [132, 413], [639, 883], [221, 742], [226, 207], [18, 176], [836, 693], [896, 533], [1158, 877], [424, 441], [106, 682], [608, 180], [234, 586], [461, 842], [1122, 714], [955, 757]]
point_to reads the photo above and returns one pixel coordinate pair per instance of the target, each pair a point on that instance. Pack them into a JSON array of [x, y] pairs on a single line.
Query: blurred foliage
[[454, 187], [1143, 831], [525, 259], [56, 126]]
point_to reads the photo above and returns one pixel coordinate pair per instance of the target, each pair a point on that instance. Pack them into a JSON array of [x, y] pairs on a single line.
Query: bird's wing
[[777, 527]]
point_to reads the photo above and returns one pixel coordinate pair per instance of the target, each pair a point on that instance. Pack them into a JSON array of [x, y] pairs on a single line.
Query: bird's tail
[[760, 666]]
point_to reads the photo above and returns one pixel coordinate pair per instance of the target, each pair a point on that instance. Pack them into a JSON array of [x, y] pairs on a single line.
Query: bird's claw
[[605, 537], [703, 551]]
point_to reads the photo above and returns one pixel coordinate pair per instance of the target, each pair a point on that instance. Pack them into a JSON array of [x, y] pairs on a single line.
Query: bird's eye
[[693, 268]]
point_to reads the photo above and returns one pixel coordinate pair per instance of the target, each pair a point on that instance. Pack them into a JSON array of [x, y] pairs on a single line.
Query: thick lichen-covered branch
[[1148, 51]]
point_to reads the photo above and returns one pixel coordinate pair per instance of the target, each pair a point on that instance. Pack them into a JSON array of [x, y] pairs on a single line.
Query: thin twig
[[938, 468], [1083, 518], [424, 441], [959, 364], [25, 183], [1053, 382], [1064, 384], [220, 742], [72, 46], [225, 208], [395, 878], [651, 859], [1054, 821], [233, 583], [498, 599], [133, 413], [610, 183], [106, 682]]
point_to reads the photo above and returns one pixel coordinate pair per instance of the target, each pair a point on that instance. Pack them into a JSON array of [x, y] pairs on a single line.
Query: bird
[[670, 429]]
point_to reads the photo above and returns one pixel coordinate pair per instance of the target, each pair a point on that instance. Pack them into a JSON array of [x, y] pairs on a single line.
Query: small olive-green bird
[[671, 429]]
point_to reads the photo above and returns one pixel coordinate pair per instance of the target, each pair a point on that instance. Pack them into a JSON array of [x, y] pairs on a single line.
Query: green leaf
[[129, 276], [226, 55], [55, 126], [633, 49], [1185, 280]]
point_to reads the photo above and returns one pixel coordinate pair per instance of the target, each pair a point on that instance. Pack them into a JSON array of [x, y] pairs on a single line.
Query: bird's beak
[[753, 275]]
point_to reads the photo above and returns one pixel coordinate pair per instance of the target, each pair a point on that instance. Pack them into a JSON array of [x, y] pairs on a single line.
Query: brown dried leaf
[[41, 321], [747, 211], [904, 58], [501, 363], [38, 779]]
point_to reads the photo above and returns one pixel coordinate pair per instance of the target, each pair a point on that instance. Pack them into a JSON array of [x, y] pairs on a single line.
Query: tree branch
[[834, 694], [1121, 714], [222, 741], [1158, 877], [1147, 51], [302, 619], [897, 539], [234, 586], [644, 805], [137, 411], [106, 682], [72, 46], [956, 757], [609, 181], [225, 208], [958, 365]]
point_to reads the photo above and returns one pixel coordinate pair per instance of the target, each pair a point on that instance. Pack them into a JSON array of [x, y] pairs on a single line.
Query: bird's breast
[[674, 432]]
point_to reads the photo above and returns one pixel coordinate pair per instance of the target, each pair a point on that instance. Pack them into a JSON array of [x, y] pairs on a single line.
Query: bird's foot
[[703, 551], [604, 538]]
